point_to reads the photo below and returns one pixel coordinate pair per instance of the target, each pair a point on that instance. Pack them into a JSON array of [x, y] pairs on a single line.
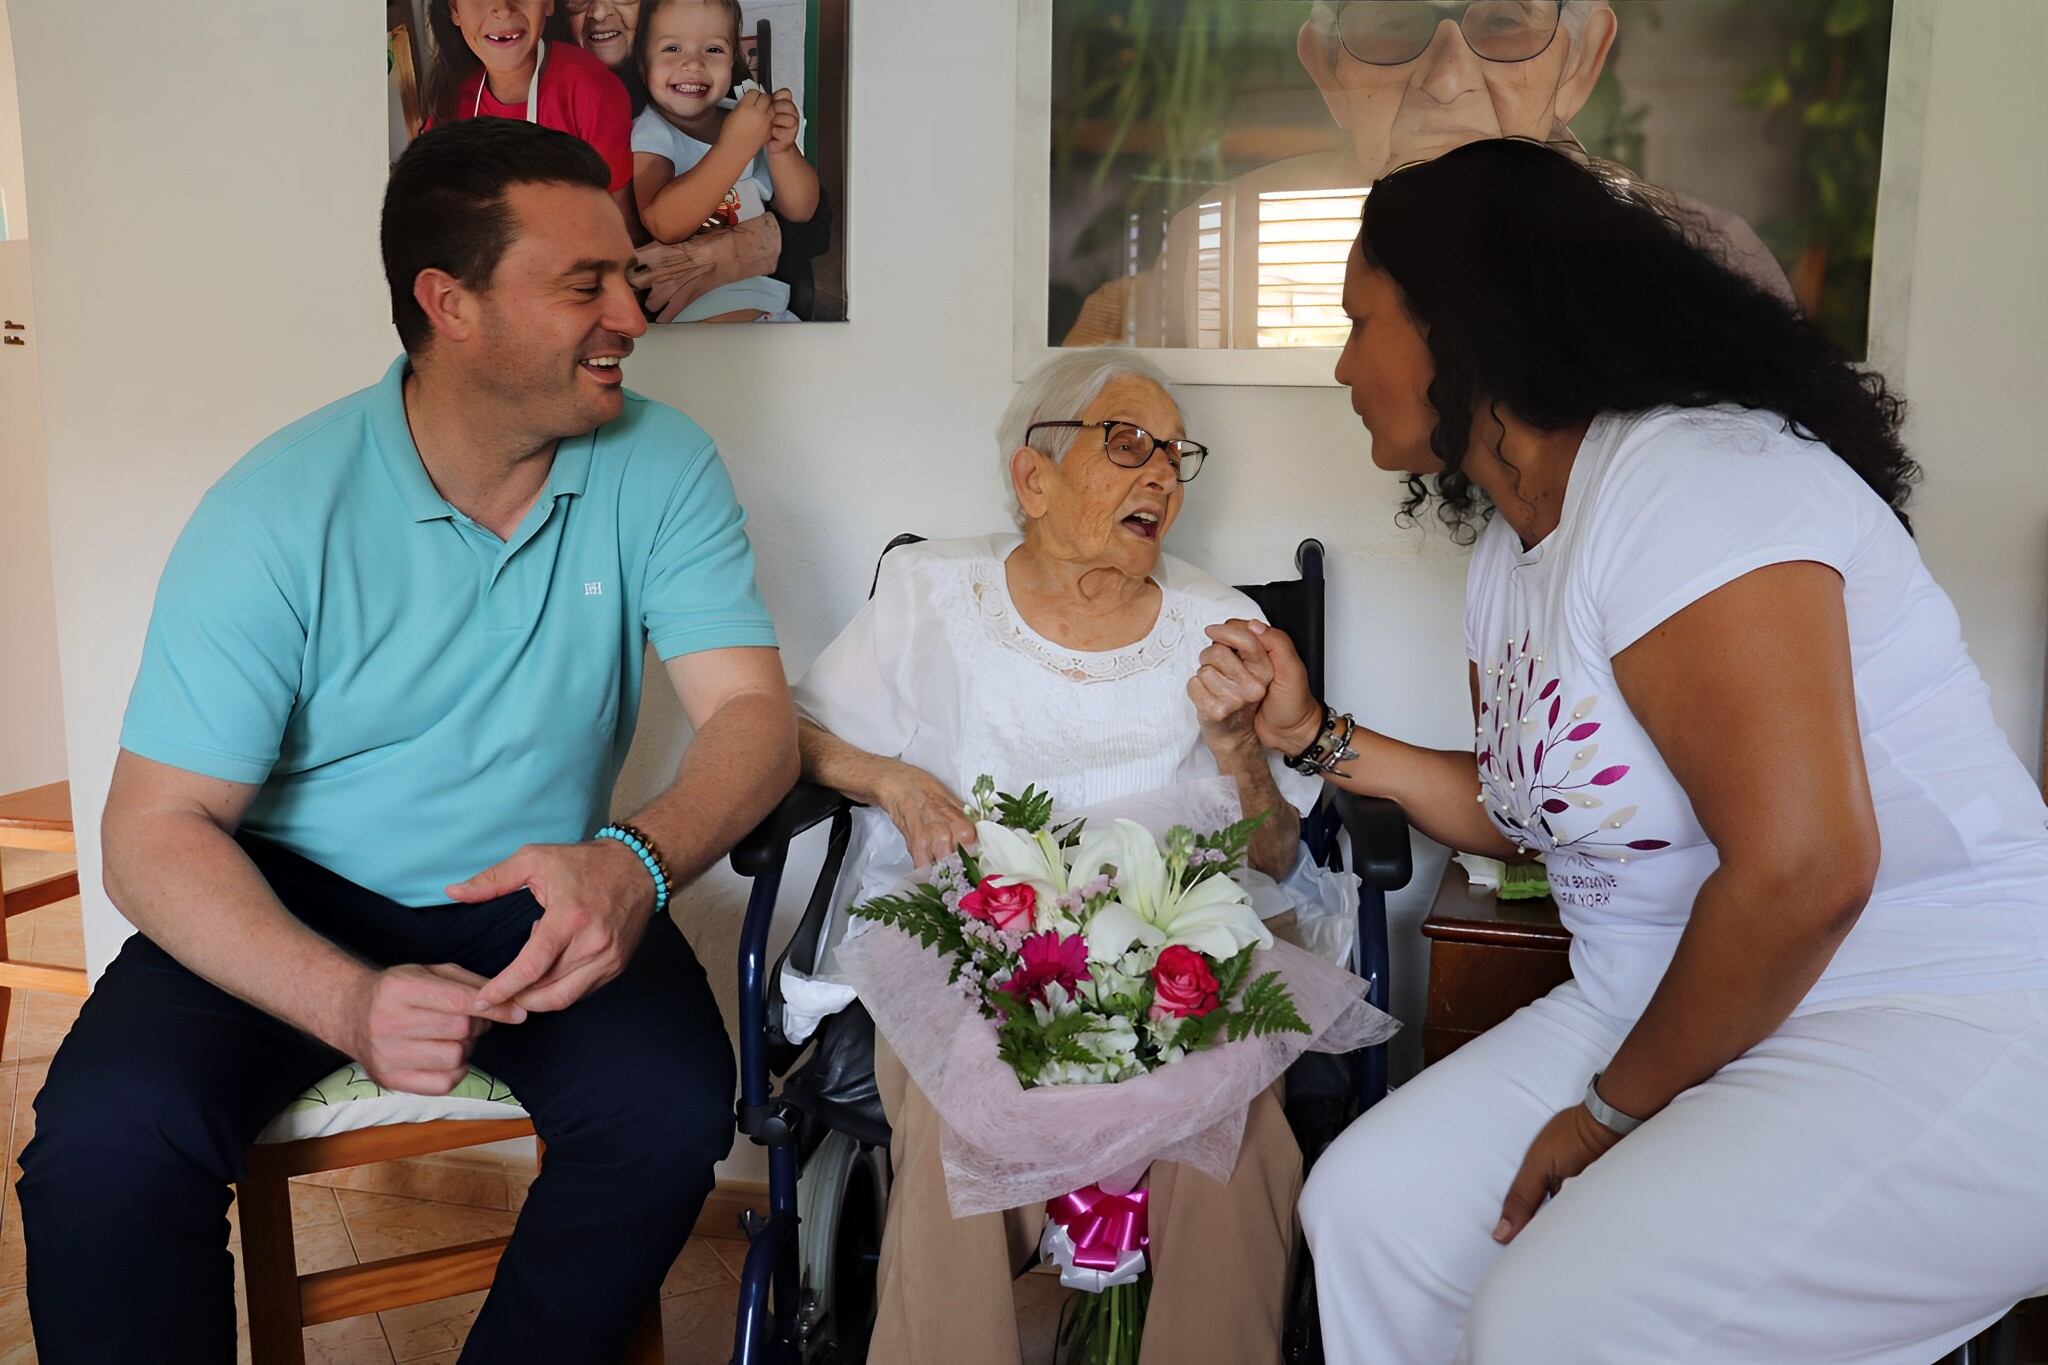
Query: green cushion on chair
[[347, 1100]]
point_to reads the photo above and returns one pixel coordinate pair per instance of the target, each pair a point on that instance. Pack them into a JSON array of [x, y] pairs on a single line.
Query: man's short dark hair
[[444, 208]]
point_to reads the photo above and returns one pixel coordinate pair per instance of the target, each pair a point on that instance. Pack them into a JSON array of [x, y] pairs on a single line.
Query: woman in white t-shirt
[[1791, 1106]]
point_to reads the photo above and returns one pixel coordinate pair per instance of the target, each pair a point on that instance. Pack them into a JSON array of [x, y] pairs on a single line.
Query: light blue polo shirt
[[415, 697]]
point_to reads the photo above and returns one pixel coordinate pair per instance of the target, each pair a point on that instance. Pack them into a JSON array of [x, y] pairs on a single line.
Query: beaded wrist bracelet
[[644, 849], [1320, 758], [1322, 731]]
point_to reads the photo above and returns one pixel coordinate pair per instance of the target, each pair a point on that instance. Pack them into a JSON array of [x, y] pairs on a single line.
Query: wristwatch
[[1605, 1114]]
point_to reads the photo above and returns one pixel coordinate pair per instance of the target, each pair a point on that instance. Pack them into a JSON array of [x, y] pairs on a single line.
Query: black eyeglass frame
[[1337, 30], [1178, 451]]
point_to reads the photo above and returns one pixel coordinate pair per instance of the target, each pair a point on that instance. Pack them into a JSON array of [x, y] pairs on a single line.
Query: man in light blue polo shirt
[[360, 808]]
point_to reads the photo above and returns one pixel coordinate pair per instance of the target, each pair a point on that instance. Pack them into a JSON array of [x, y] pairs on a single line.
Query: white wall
[[246, 291], [1975, 370]]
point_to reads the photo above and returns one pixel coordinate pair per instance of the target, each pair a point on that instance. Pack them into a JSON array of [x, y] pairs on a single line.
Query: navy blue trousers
[[154, 1098]]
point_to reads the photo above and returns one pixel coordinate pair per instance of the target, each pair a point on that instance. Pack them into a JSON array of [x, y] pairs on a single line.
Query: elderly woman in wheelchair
[[1072, 655]]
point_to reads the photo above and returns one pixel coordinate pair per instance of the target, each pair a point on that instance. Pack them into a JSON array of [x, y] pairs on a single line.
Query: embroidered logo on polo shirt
[[593, 589]]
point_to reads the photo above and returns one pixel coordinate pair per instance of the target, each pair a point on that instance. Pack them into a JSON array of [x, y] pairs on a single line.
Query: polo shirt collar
[[571, 469], [568, 476], [400, 457]]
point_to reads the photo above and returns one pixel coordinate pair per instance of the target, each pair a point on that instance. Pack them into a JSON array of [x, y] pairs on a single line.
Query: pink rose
[[1049, 958], [1006, 907], [1182, 983]]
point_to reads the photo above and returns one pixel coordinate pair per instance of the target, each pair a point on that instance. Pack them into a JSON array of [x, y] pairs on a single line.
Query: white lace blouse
[[940, 670]]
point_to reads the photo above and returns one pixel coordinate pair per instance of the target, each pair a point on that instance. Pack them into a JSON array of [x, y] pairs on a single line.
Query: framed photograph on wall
[[654, 85], [1192, 171]]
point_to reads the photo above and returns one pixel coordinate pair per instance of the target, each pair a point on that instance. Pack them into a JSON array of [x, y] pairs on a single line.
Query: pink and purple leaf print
[[1518, 736]]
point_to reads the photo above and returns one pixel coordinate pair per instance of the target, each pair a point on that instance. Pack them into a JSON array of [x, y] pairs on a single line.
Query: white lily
[[1214, 916], [1034, 859]]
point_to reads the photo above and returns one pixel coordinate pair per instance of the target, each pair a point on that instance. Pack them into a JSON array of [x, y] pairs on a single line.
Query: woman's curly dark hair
[[1548, 290]]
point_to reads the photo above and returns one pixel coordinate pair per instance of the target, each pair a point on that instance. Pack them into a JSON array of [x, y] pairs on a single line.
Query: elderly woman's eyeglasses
[[1396, 32], [1131, 446]]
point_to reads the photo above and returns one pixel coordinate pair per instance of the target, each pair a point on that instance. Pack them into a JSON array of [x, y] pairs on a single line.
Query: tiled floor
[[345, 1217]]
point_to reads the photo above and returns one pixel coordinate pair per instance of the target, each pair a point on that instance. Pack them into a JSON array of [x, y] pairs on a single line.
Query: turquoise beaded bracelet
[[643, 848]]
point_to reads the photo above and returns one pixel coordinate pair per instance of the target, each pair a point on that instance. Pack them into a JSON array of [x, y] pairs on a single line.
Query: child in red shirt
[[491, 61]]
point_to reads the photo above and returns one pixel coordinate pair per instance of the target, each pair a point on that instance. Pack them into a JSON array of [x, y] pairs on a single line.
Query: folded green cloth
[[1524, 882]]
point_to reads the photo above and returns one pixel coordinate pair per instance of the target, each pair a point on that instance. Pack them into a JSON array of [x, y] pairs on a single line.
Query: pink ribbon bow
[[1101, 1225]]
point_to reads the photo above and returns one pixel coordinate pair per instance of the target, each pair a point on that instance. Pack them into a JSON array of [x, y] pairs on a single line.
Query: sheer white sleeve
[[853, 687]]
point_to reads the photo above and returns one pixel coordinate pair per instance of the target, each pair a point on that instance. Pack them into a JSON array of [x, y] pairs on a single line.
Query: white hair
[[1577, 12], [1061, 390]]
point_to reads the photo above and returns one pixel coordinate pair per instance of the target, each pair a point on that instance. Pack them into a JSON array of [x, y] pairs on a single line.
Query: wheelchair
[[807, 1293]]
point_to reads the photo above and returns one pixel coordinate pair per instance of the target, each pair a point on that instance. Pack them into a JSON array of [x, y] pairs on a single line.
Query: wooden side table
[[39, 818], [1487, 959]]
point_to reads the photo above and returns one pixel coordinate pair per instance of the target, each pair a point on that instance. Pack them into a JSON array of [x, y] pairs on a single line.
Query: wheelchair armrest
[[767, 844], [1379, 839]]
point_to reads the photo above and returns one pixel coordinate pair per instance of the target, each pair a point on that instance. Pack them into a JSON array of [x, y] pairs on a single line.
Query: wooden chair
[[283, 1303], [39, 818]]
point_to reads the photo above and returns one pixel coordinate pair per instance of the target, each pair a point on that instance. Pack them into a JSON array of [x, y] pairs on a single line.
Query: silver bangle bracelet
[[1605, 1114]]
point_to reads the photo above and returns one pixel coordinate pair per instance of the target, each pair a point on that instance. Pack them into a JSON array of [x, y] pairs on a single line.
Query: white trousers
[[1869, 1184]]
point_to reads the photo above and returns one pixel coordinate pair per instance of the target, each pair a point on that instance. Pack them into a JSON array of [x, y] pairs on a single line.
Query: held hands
[[932, 821], [748, 123], [1283, 714], [1567, 1145], [1227, 689], [676, 275], [671, 275], [414, 1026], [595, 900], [782, 123]]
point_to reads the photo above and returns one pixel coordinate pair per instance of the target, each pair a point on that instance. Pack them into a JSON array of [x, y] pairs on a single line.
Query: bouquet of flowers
[[1097, 956]]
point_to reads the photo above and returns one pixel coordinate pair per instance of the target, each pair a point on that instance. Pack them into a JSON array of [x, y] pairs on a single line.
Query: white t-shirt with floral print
[[1662, 508]]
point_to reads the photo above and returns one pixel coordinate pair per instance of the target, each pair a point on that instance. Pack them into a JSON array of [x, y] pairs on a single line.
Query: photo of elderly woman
[[1210, 159], [769, 245]]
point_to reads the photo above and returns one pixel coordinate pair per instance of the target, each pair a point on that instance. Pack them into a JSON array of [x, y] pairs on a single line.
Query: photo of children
[[723, 123]]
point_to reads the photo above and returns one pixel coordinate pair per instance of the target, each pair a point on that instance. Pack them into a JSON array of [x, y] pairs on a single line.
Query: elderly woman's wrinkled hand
[[1288, 716], [1228, 687], [675, 275], [931, 819]]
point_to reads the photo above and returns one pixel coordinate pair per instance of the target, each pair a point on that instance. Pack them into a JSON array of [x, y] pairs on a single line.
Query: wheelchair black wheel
[[847, 1204], [859, 1257]]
